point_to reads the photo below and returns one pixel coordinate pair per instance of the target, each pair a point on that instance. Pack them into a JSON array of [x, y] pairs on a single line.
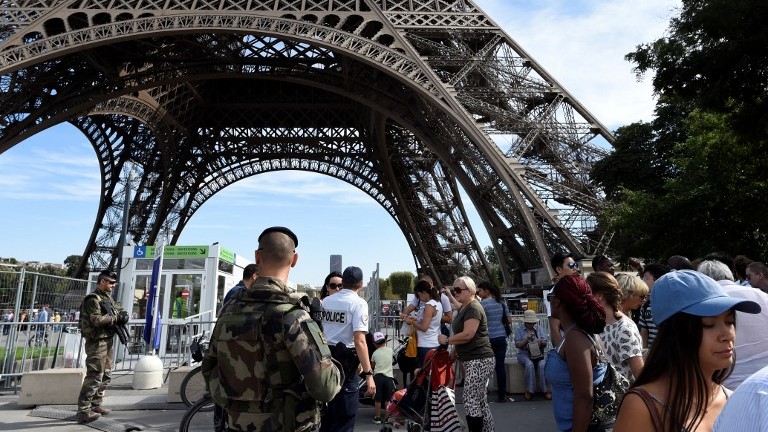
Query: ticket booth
[[193, 282]]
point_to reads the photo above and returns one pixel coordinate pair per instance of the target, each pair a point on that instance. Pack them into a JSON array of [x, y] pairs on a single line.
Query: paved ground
[[148, 410]]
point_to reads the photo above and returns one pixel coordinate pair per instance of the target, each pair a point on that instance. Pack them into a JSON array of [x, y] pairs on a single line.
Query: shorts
[[385, 387]]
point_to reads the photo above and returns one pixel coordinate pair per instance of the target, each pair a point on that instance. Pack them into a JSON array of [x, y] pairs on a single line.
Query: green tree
[[385, 291], [691, 181], [71, 263], [401, 283], [493, 263], [714, 56]]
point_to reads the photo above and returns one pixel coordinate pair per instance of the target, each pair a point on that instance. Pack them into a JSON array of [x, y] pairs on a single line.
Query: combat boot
[[101, 410], [87, 416]]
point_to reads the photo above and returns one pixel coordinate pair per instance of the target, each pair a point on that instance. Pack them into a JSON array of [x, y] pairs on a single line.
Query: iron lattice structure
[[404, 99]]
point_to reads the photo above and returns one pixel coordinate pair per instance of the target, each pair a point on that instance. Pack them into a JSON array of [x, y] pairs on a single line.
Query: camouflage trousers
[[98, 373]]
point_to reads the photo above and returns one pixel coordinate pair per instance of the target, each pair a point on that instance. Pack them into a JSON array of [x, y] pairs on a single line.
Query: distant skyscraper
[[336, 263]]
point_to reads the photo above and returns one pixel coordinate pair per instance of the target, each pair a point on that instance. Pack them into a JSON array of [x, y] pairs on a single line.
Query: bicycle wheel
[[193, 386], [200, 417]]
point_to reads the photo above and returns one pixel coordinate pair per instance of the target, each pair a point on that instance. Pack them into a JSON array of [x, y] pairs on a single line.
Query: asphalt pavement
[[148, 410]]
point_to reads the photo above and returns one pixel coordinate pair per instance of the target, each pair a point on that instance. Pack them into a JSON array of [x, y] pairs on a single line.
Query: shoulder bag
[[505, 320], [609, 392]]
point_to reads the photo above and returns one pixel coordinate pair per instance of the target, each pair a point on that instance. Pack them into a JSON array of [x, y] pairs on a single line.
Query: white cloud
[[582, 44]]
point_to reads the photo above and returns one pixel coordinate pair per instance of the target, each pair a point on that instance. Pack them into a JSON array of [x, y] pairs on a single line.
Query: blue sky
[[49, 184]]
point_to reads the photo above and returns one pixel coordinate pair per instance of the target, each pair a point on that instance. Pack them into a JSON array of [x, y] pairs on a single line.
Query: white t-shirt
[[751, 336], [345, 313], [428, 338], [444, 302], [382, 358]]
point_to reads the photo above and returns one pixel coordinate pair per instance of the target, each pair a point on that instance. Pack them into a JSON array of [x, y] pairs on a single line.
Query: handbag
[[507, 324], [444, 402], [609, 392], [412, 348]]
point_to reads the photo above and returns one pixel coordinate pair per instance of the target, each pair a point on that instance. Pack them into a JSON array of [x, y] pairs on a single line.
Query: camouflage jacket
[[94, 323], [268, 363]]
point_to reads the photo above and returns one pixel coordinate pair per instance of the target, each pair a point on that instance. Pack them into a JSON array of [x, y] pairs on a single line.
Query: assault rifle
[[120, 322]]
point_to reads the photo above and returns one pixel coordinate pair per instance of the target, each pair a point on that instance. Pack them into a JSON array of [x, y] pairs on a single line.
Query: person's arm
[[454, 303], [470, 329], [521, 337], [93, 312], [311, 355], [578, 355], [554, 331], [644, 336], [426, 319], [410, 308], [633, 415], [636, 365], [361, 348]]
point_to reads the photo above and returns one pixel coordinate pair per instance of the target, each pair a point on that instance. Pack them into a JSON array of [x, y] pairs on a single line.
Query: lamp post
[[124, 231]]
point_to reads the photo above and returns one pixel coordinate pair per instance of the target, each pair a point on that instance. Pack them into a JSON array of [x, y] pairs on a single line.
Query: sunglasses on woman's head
[[572, 265], [334, 286], [457, 290]]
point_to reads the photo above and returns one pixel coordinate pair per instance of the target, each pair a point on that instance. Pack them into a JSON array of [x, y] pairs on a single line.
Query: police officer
[[345, 322], [97, 325], [268, 363]]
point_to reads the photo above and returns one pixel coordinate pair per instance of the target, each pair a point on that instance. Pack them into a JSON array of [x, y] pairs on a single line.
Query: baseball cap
[[283, 230], [352, 275], [379, 337], [693, 293]]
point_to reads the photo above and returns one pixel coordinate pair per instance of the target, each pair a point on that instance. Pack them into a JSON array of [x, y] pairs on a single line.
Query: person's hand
[[371, 390], [442, 339], [122, 318]]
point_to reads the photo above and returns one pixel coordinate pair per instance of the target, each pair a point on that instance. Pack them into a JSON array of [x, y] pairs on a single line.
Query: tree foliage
[[714, 55], [401, 284], [693, 180], [71, 263]]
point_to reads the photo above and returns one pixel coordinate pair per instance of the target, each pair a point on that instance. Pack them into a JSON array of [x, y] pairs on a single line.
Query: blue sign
[[139, 251]]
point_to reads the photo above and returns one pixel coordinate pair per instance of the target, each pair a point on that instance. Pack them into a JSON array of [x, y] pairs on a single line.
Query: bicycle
[[193, 385], [202, 417], [39, 339]]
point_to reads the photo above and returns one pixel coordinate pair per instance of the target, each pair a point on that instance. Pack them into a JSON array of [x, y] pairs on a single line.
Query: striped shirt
[[646, 322], [747, 408]]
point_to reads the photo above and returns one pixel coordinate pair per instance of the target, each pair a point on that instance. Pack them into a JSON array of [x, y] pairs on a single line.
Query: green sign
[[185, 252], [226, 255]]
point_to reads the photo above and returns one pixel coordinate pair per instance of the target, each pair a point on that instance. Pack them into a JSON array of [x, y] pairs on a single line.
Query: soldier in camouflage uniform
[[268, 364], [97, 325]]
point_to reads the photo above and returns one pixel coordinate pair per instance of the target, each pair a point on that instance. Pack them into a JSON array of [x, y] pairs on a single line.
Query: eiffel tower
[[411, 101]]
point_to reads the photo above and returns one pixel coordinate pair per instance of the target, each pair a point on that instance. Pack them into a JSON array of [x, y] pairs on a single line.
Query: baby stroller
[[411, 406]]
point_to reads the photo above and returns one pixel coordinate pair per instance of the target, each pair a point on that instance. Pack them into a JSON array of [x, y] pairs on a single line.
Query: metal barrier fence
[[30, 345], [27, 345]]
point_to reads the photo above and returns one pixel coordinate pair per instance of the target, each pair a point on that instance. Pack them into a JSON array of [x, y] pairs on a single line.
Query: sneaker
[[87, 417], [377, 420], [101, 410]]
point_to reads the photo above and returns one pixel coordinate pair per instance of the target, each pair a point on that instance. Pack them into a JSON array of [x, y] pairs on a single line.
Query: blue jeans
[[499, 346], [339, 415], [530, 366]]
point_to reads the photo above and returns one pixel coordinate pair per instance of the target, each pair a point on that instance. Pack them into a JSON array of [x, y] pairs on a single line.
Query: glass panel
[[226, 267], [184, 264], [144, 264], [186, 295]]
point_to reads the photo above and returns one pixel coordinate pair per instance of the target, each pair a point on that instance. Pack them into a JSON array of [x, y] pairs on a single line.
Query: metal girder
[[404, 99]]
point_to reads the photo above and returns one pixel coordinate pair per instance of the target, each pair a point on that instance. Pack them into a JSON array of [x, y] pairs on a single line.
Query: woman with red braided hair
[[573, 367]]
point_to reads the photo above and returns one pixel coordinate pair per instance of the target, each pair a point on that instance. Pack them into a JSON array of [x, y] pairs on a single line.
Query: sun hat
[[529, 316], [693, 293]]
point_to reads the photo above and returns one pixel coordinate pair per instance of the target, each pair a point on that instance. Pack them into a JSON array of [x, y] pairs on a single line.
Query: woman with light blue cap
[[680, 387]]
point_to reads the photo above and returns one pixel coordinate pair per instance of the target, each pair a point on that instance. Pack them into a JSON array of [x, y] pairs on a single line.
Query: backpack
[[252, 377]]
